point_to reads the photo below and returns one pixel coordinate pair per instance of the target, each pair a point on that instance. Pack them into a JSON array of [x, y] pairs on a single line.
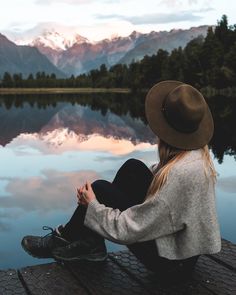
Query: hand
[[85, 194]]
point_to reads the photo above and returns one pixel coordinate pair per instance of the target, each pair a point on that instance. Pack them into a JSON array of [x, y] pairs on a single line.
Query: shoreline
[[51, 90], [207, 91]]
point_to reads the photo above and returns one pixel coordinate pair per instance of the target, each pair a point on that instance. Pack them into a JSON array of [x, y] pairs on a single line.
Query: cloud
[[70, 2], [160, 18], [227, 184], [177, 3], [52, 191], [4, 227], [163, 18], [184, 3]]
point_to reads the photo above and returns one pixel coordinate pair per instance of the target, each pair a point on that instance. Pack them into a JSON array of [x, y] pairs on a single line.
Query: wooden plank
[[227, 255], [10, 283], [122, 274], [215, 277], [105, 278], [150, 280], [50, 279]]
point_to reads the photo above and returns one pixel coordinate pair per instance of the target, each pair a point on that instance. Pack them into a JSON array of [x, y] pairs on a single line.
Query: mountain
[[53, 44], [85, 55], [24, 59], [154, 41], [72, 53], [56, 40], [49, 34]]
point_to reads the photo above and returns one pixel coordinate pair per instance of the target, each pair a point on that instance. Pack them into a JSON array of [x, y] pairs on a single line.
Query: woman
[[167, 216]]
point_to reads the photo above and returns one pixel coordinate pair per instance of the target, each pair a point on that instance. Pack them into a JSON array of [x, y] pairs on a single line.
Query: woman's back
[[190, 196]]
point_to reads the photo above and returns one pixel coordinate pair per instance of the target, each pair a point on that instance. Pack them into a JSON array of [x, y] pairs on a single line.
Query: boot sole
[[88, 257]]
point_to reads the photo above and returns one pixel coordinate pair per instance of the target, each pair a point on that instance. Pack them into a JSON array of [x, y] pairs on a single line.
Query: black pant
[[128, 188]]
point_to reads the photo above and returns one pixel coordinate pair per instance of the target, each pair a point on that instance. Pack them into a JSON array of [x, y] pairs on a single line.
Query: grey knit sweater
[[181, 217]]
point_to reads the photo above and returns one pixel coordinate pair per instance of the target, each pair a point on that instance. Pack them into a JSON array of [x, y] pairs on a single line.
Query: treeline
[[209, 61]]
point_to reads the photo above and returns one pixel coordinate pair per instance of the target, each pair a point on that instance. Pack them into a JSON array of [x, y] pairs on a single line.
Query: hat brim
[[160, 126]]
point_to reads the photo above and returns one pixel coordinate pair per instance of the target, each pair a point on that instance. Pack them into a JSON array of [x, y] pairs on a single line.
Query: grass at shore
[[207, 91], [61, 90]]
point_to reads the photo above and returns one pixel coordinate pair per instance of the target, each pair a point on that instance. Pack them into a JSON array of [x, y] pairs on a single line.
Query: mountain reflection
[[92, 121], [62, 140]]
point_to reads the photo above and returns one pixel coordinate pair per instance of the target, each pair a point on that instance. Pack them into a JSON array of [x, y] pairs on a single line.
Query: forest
[[204, 62]]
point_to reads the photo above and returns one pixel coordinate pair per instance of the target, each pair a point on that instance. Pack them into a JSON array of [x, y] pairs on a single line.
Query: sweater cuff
[[93, 203], [90, 212]]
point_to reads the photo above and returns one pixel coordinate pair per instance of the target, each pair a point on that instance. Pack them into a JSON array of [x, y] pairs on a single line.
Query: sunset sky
[[99, 19]]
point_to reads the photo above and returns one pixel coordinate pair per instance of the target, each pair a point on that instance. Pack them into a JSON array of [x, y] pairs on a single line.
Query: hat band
[[178, 124]]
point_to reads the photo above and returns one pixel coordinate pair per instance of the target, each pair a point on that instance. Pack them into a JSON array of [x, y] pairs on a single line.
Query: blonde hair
[[169, 156]]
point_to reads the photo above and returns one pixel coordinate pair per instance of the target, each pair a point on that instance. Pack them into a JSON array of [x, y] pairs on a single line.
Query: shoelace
[[44, 238], [45, 227]]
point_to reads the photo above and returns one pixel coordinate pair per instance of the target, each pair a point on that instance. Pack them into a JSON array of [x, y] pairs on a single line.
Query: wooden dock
[[121, 274]]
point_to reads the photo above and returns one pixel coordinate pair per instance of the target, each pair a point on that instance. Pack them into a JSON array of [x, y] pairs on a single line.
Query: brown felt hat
[[179, 115]]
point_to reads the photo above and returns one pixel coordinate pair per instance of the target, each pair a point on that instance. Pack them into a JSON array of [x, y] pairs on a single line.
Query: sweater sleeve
[[142, 222]]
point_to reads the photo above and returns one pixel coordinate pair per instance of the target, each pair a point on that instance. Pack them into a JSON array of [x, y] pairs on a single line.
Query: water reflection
[[228, 184], [51, 145], [52, 190], [118, 115], [224, 114]]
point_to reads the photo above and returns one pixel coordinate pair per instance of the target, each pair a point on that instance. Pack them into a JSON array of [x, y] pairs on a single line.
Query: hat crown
[[179, 115], [184, 108]]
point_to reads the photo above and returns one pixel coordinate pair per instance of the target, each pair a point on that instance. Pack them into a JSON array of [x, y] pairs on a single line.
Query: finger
[[88, 184], [83, 190], [84, 196]]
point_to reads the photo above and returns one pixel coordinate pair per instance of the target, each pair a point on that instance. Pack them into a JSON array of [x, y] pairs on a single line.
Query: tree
[[7, 80], [193, 65], [17, 80]]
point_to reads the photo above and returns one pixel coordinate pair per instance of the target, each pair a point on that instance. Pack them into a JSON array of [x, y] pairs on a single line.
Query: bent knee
[[134, 163]]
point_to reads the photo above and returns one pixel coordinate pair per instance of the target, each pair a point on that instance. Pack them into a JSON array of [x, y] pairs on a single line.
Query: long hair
[[168, 157]]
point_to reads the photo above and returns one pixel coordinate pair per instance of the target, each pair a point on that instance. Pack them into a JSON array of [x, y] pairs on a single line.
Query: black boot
[[41, 247], [91, 248]]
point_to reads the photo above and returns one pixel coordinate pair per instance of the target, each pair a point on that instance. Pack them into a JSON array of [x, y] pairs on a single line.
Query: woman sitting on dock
[[165, 215]]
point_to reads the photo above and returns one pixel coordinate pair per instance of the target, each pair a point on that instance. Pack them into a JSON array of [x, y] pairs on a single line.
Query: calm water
[[48, 149]]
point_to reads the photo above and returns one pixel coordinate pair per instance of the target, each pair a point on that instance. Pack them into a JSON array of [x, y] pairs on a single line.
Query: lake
[[52, 144]]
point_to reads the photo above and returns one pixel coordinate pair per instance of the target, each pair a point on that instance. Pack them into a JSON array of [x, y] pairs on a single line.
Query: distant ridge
[[75, 54], [24, 59], [84, 55], [154, 41]]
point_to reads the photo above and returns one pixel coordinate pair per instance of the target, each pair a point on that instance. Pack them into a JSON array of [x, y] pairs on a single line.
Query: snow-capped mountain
[[84, 56], [74, 54], [57, 41], [53, 35], [52, 44]]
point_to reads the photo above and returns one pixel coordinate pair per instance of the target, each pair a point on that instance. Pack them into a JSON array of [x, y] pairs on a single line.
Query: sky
[[98, 19]]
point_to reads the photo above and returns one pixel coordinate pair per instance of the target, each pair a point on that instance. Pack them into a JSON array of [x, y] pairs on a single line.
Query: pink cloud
[[52, 191]]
